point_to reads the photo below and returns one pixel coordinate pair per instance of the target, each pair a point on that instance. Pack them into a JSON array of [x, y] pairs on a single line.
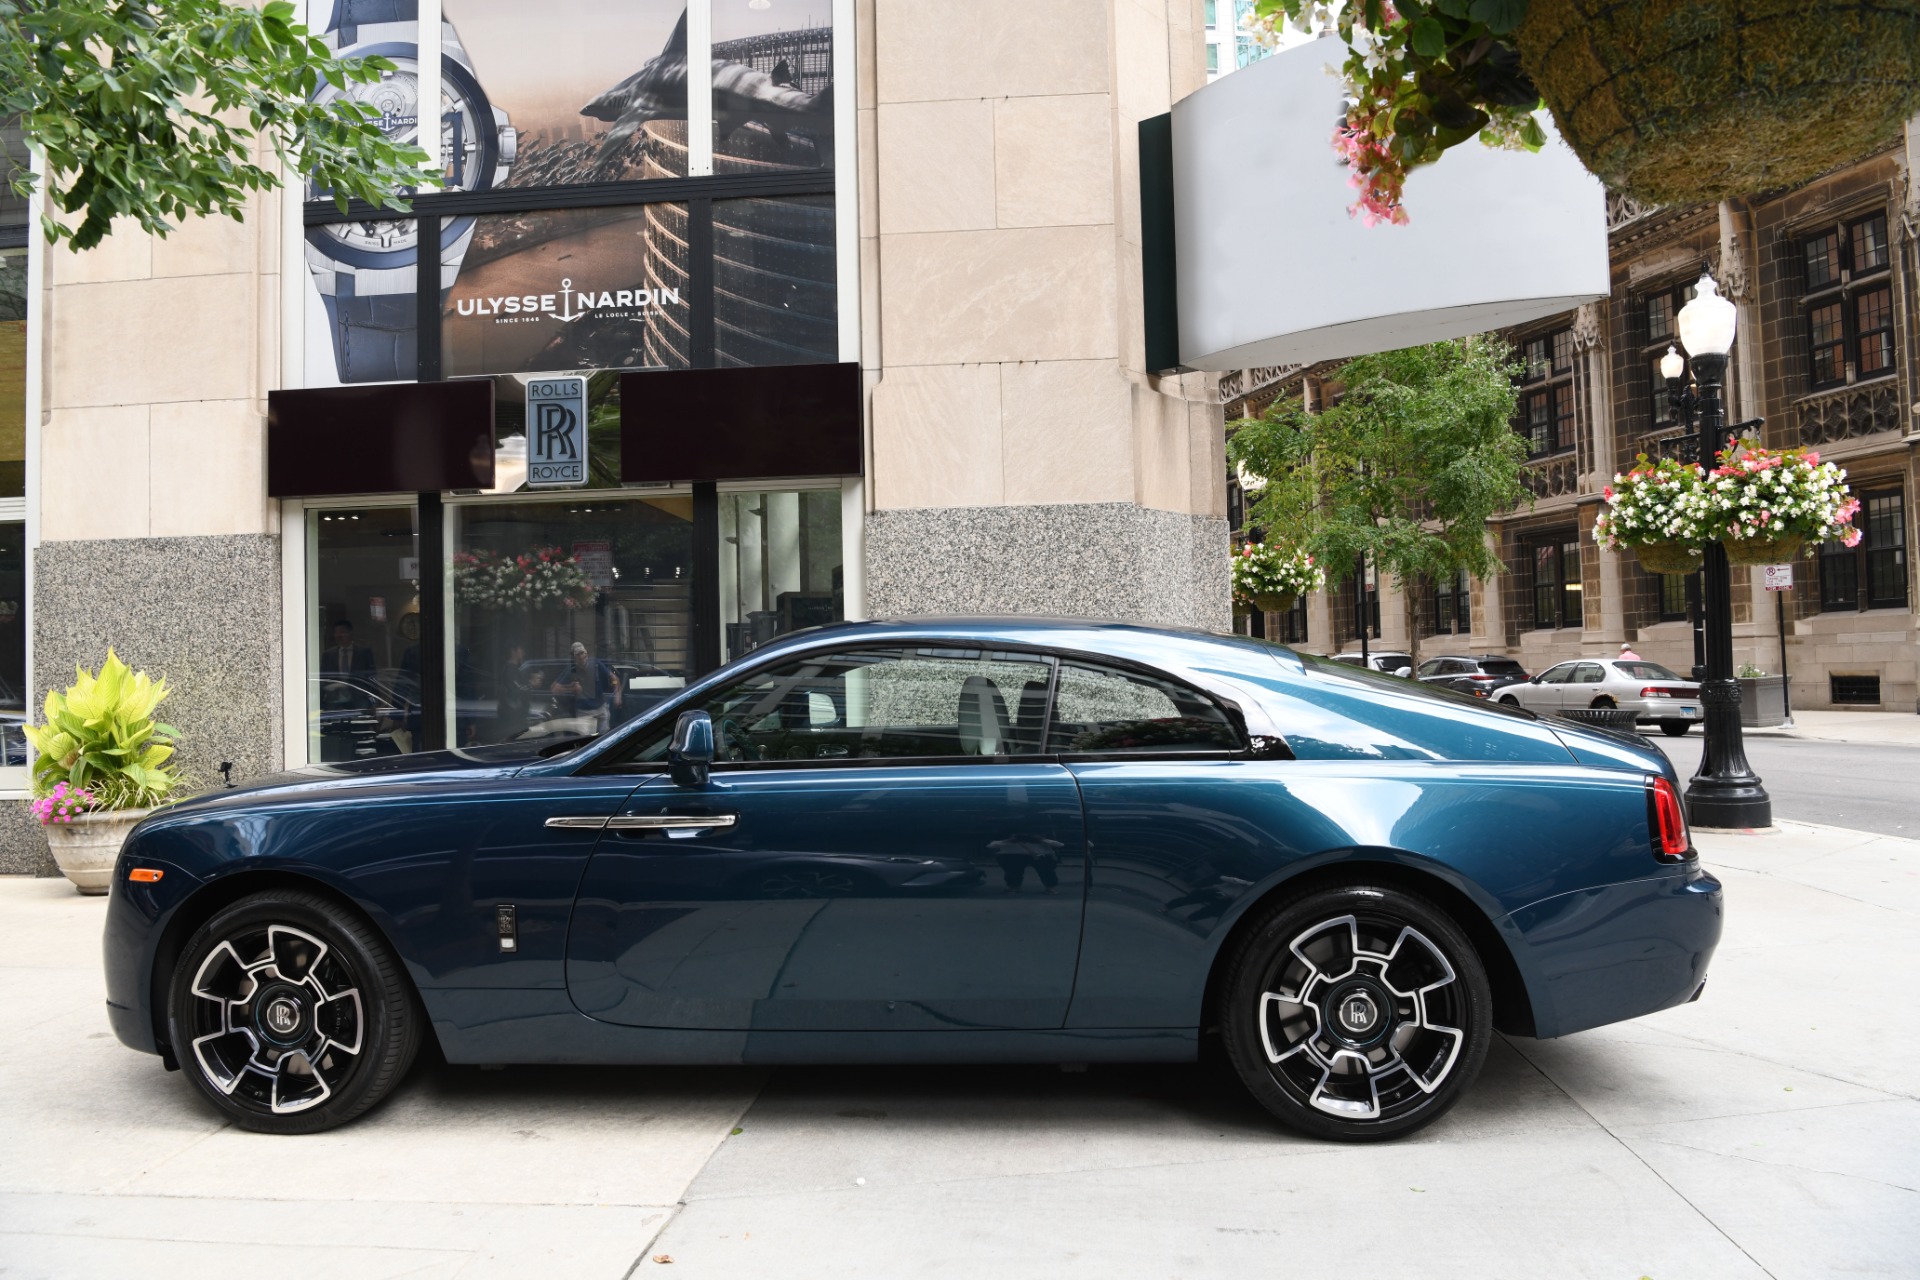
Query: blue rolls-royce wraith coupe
[[978, 840]]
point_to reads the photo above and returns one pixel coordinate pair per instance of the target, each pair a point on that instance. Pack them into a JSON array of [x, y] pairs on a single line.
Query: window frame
[[1850, 287], [1254, 745], [1568, 598], [1546, 374], [1858, 595], [1662, 583], [1458, 598], [1653, 346]]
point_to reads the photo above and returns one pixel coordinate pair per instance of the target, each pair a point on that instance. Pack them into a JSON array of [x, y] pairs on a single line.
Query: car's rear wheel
[[1675, 728], [1357, 1013], [1509, 701], [290, 1014]]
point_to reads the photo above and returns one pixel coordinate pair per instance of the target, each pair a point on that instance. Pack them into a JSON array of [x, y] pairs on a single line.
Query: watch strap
[[375, 337]]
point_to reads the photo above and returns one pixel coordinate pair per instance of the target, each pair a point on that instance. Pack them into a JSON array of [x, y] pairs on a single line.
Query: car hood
[[504, 759]]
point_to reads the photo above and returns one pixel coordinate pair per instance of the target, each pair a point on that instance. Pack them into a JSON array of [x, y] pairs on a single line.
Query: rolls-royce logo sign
[[556, 432], [569, 304]]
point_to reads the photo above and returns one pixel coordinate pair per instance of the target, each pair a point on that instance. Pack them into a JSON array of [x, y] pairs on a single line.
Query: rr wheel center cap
[[1358, 1013], [281, 1016]]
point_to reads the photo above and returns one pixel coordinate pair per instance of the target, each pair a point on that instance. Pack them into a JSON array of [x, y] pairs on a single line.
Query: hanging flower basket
[[1667, 557], [1685, 101], [1275, 601], [1752, 551], [1270, 578]]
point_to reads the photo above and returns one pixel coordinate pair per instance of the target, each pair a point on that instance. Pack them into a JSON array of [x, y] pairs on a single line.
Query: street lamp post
[[1724, 790]]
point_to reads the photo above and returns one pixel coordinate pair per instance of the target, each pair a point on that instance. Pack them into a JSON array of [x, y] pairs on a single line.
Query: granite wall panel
[[1099, 560]]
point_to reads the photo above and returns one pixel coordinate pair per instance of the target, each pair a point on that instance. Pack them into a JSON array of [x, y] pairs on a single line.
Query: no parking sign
[[1779, 577]]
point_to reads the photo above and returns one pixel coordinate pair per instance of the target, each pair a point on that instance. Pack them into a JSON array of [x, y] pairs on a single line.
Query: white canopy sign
[[1273, 270]]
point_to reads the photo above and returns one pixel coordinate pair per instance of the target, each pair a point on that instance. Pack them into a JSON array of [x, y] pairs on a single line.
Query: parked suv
[[1481, 677]]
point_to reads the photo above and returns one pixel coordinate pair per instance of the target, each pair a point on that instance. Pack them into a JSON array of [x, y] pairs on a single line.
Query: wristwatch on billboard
[[365, 270]]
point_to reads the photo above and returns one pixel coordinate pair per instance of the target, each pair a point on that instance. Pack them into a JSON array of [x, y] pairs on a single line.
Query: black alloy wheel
[[1356, 1014], [290, 1014], [1675, 728]]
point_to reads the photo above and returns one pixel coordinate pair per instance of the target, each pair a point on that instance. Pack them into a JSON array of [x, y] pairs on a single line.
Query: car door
[[1549, 694], [1583, 686], [886, 849]]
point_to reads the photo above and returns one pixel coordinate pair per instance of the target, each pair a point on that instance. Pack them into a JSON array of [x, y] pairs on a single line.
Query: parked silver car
[[1630, 684]]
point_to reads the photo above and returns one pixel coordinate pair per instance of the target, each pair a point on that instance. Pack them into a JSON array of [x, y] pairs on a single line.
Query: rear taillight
[[1665, 691], [1668, 823]]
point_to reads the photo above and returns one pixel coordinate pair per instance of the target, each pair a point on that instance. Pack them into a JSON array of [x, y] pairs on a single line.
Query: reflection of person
[[512, 697], [1018, 852], [593, 686], [342, 657]]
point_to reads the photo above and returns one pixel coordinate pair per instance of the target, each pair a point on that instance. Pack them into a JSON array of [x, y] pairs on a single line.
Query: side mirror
[[692, 749]]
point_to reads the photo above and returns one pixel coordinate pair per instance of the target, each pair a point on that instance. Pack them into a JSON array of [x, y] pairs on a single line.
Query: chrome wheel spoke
[[298, 1084], [340, 1022], [294, 954]]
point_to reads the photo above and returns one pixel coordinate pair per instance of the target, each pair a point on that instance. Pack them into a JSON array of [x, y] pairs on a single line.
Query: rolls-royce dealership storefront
[[852, 329]]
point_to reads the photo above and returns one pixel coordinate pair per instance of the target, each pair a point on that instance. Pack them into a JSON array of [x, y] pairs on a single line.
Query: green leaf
[[1429, 38], [1500, 16]]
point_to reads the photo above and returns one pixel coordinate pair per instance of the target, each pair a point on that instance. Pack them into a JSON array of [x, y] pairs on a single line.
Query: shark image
[[742, 95]]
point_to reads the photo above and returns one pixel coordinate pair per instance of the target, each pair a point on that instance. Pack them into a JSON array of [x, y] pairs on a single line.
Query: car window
[[876, 703], [1434, 667], [1557, 675], [1104, 709], [1645, 671], [1588, 673], [1501, 667]]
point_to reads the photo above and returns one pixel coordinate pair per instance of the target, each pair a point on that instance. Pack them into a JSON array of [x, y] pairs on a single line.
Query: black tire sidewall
[[1257, 949], [1676, 728], [392, 1023]]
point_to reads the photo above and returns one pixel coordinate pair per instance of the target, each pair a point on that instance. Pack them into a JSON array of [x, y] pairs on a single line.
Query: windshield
[[1646, 671], [1502, 667]]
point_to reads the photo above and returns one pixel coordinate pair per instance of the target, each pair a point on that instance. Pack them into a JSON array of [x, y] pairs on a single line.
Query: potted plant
[[1765, 504], [100, 765], [1272, 578], [1658, 511], [1669, 102]]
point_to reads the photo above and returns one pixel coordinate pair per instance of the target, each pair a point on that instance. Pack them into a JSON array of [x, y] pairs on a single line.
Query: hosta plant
[[1266, 573], [100, 746]]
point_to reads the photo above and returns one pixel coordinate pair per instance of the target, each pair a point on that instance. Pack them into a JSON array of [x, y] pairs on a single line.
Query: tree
[[154, 110], [1405, 468]]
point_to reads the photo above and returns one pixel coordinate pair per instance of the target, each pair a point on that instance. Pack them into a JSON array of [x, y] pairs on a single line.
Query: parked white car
[[1630, 684]]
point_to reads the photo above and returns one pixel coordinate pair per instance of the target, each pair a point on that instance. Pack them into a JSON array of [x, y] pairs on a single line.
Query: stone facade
[[1604, 407]]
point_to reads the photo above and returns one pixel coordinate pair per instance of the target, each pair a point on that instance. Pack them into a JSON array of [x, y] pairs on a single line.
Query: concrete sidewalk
[[1892, 728], [1771, 1129]]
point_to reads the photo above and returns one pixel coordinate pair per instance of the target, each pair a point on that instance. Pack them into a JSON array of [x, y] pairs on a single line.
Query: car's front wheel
[[290, 1014], [1357, 1013]]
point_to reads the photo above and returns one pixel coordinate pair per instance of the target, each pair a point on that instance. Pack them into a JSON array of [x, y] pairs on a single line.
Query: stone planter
[[1763, 701], [1690, 101], [85, 848], [1602, 718]]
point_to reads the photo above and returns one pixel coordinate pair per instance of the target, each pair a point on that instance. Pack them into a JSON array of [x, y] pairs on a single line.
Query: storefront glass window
[[592, 90], [774, 299], [363, 641], [13, 643], [570, 616], [570, 289], [13, 372], [779, 565], [772, 77]]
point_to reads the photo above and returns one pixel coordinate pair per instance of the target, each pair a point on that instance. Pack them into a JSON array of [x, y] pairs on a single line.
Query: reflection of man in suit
[[343, 657]]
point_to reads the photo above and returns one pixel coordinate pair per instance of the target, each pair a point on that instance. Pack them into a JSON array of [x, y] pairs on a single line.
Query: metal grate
[[1855, 691]]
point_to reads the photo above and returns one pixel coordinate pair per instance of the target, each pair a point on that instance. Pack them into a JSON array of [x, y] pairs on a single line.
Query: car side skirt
[[521, 1027]]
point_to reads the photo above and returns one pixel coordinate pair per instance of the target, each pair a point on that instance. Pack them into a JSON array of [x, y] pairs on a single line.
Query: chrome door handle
[[670, 821], [647, 822]]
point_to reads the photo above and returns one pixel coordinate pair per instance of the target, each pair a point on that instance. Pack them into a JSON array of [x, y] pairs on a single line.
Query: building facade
[[1825, 278], [943, 196]]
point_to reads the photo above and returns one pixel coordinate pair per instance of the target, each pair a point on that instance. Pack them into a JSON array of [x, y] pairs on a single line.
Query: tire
[[1675, 728], [290, 1014], [1603, 703], [1382, 960], [1509, 701]]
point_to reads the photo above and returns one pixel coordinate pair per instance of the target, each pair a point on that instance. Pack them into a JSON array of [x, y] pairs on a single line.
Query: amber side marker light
[[145, 875]]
